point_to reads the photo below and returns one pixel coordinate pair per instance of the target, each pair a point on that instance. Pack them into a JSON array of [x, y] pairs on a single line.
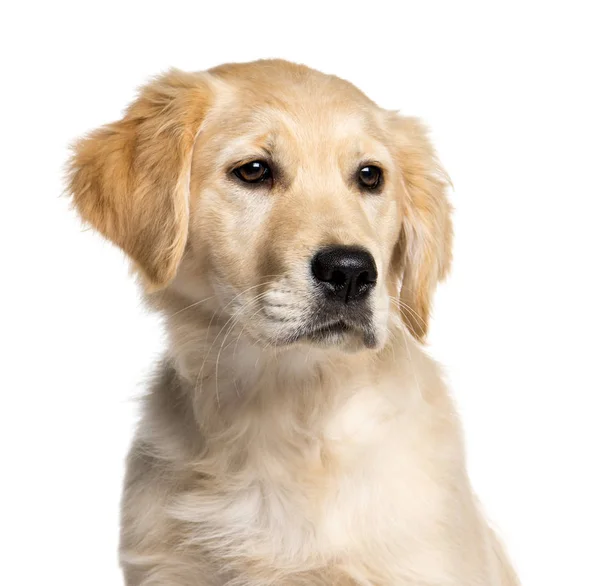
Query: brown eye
[[253, 172], [370, 176]]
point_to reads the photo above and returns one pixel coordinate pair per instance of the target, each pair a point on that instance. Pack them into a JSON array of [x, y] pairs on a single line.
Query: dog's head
[[309, 214]]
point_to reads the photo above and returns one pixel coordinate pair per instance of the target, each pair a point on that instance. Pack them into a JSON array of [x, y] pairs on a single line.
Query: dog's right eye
[[253, 172]]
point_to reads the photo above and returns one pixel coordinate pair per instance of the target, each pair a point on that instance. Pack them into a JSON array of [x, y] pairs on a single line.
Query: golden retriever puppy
[[291, 233]]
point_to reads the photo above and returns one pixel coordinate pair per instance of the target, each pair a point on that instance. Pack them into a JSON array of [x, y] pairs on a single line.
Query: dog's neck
[[225, 372], [228, 362]]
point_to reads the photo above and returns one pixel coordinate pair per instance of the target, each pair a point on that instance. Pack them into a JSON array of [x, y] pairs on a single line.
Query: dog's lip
[[333, 327], [331, 331]]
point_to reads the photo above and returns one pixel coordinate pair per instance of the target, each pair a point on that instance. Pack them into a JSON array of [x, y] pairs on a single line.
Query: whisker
[[192, 305], [403, 306], [227, 334]]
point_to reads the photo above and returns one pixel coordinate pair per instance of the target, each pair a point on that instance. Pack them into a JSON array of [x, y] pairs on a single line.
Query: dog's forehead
[[275, 94], [292, 136], [292, 113], [301, 122], [318, 126]]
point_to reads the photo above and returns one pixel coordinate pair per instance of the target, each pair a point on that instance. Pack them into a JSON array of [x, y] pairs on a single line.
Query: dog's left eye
[[370, 176], [253, 172]]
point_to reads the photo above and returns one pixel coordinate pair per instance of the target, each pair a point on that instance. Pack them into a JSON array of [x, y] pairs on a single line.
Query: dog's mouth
[[334, 332], [328, 330]]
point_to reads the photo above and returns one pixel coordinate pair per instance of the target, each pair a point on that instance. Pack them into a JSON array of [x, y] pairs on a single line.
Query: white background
[[510, 91]]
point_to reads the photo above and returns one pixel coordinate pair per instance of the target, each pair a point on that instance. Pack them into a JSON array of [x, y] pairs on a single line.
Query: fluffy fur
[[262, 457]]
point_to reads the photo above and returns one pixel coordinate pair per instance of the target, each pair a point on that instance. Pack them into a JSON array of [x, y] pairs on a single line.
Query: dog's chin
[[338, 334]]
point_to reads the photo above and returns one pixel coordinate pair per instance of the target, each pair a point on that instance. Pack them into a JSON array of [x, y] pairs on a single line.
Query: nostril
[[347, 273], [338, 279], [322, 270], [364, 279]]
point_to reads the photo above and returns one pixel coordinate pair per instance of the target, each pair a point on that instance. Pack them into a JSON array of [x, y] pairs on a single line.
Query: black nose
[[347, 273]]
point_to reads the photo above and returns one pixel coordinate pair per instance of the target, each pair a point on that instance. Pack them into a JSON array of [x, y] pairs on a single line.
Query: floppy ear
[[425, 246], [130, 179]]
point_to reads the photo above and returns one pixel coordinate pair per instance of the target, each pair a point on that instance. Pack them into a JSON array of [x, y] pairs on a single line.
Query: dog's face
[[308, 213], [295, 213]]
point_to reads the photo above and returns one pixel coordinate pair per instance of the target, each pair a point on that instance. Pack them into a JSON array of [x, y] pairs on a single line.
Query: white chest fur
[[331, 467]]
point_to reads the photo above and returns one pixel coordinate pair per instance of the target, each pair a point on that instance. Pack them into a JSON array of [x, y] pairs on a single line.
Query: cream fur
[[259, 461]]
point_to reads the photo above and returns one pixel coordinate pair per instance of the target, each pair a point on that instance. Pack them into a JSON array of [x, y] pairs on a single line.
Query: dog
[[292, 234]]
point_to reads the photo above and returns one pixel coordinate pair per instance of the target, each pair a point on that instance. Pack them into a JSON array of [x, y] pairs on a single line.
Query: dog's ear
[[424, 252], [130, 179]]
